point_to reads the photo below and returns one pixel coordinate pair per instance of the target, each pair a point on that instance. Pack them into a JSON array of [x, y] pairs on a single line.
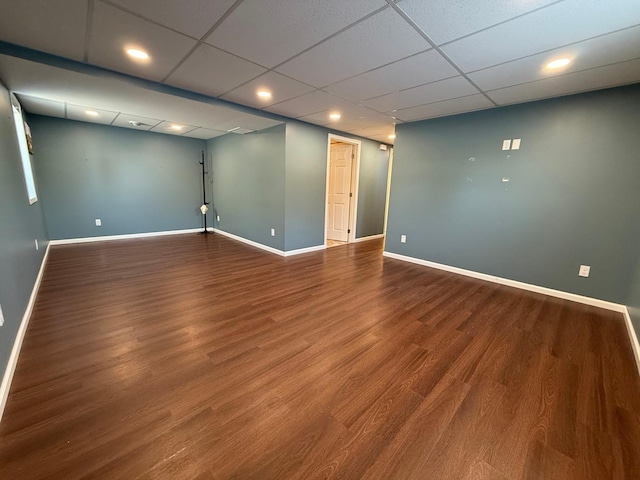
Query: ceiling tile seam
[[410, 88], [357, 22], [451, 114], [438, 49], [568, 74], [435, 103], [501, 23], [269, 70], [115, 118], [88, 30], [376, 68], [554, 48]]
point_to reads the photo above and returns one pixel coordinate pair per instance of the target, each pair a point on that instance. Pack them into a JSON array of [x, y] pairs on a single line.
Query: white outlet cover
[[515, 145], [1, 316], [403, 239], [273, 232], [506, 144], [218, 218], [584, 270], [98, 222]]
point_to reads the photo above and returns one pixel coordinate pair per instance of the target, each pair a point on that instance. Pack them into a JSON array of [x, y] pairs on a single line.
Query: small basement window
[[25, 158]]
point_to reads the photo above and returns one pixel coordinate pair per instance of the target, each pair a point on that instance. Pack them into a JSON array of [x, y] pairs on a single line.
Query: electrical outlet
[[37, 246], [218, 218], [273, 232], [584, 270], [1, 316], [403, 239], [98, 222]]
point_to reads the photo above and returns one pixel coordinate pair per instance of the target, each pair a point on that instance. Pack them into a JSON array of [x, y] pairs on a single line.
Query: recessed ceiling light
[[263, 94], [137, 54], [334, 116], [176, 127], [392, 136], [92, 113], [559, 63]]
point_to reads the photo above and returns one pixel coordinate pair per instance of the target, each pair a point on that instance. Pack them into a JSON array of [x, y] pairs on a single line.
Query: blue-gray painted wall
[[372, 189], [20, 225], [134, 181], [572, 196], [248, 180]]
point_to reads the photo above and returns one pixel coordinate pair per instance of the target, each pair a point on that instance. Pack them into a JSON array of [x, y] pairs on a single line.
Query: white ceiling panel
[[248, 122], [351, 116], [446, 107], [605, 50], [204, 133], [114, 31], [269, 32], [601, 77], [191, 17], [213, 72], [432, 92], [171, 128], [381, 39], [79, 113], [446, 20], [282, 88], [307, 104], [123, 120], [41, 106], [545, 29], [385, 130], [419, 69], [55, 27]]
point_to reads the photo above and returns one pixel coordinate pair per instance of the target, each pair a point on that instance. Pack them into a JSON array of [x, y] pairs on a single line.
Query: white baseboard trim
[[17, 344], [262, 246], [616, 307], [370, 237], [68, 241], [635, 346], [290, 253]]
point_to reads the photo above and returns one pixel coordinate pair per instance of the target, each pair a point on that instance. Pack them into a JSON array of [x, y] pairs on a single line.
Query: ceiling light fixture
[[137, 54], [559, 63], [176, 127], [92, 113], [264, 94], [334, 116]]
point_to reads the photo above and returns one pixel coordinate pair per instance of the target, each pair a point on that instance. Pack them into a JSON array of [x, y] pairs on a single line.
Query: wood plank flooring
[[197, 357]]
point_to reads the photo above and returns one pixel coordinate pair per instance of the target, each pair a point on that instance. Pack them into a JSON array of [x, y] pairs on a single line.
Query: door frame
[[355, 182]]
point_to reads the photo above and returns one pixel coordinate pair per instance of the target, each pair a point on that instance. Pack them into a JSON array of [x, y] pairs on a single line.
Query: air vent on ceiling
[[240, 130], [133, 123]]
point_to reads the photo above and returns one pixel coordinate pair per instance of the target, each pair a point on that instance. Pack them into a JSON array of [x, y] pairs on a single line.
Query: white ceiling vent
[[240, 130]]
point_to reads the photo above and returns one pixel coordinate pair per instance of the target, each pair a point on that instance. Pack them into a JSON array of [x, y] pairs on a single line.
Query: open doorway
[[343, 164]]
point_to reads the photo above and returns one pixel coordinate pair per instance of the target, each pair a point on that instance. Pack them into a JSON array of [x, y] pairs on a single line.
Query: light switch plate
[[584, 270], [98, 222], [506, 144], [515, 145], [403, 239]]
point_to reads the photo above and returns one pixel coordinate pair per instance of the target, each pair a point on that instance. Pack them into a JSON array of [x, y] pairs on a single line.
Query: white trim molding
[[262, 246], [22, 330], [635, 346], [68, 241], [616, 307], [370, 237]]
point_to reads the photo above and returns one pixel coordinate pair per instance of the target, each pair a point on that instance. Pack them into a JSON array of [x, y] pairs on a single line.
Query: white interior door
[[339, 198]]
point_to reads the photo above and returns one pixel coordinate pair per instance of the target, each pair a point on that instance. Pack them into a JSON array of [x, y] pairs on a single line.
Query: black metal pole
[[204, 193]]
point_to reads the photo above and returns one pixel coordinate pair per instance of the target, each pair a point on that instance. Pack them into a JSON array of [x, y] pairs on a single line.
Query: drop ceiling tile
[[307, 104], [446, 20], [79, 113], [167, 127], [54, 27], [123, 120], [204, 133], [551, 27], [596, 78], [191, 17], [381, 39], [608, 49], [430, 93], [41, 106], [384, 130], [269, 32], [354, 116], [213, 72], [248, 122], [416, 70], [281, 87], [114, 30], [444, 108]]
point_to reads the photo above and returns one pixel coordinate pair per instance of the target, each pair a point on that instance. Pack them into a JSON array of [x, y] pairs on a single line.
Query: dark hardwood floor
[[197, 357]]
